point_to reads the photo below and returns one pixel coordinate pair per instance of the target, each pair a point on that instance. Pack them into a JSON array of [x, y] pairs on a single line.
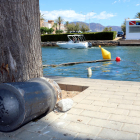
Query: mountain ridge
[[97, 27]]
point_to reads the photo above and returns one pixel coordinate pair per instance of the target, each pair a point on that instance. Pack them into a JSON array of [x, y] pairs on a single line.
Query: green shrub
[[59, 31], [89, 36], [43, 30]]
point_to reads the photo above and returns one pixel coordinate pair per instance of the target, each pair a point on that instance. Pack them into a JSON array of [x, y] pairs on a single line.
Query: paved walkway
[[106, 110]]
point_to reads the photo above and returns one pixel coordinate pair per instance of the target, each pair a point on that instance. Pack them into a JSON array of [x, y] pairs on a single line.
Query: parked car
[[120, 34], [75, 32]]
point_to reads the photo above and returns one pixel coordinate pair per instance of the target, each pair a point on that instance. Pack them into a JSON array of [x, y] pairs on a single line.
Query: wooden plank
[[74, 63]]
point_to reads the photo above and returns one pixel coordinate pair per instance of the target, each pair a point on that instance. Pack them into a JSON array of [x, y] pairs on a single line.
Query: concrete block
[[94, 114], [112, 96], [75, 118], [78, 98], [112, 100], [121, 118], [117, 135], [121, 135], [96, 98], [25, 135], [58, 133], [75, 111], [131, 128], [87, 107], [104, 92], [49, 118], [105, 123], [131, 98], [35, 127], [60, 123], [137, 103], [125, 94], [84, 101], [83, 128], [114, 111], [130, 107], [82, 136], [106, 104], [134, 90], [134, 113], [107, 133]]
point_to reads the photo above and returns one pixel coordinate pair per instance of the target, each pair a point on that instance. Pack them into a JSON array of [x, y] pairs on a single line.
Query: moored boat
[[75, 41]]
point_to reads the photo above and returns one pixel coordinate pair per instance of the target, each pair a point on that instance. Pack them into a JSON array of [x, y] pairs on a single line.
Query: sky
[[105, 12]]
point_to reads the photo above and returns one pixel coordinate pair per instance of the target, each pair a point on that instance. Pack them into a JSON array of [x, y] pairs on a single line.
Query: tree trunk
[[59, 26], [20, 43]]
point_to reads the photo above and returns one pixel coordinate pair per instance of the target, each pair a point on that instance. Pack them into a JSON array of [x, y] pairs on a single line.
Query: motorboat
[[75, 41]]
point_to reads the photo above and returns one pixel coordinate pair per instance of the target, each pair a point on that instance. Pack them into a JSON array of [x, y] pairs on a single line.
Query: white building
[[132, 29], [48, 25]]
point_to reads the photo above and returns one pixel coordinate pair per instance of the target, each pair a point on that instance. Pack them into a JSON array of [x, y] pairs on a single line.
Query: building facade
[[50, 24], [132, 29]]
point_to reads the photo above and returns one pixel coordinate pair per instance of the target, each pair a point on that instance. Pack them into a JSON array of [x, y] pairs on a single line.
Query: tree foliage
[[84, 28], [77, 27], [107, 29], [59, 31], [123, 26], [55, 26], [110, 29], [138, 15], [50, 31], [59, 20], [44, 30], [70, 27], [66, 24]]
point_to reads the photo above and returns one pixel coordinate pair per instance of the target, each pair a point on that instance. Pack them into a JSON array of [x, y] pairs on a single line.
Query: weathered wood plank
[[74, 63]]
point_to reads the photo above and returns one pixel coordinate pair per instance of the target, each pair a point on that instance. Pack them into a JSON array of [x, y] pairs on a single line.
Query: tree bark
[[20, 43]]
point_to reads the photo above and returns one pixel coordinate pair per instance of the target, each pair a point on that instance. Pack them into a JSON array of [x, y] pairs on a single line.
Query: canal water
[[126, 70]]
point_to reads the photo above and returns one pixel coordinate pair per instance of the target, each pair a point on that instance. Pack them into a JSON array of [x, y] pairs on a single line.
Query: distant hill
[[97, 27]]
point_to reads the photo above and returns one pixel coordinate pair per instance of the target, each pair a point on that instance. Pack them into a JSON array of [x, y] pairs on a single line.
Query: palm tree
[[110, 29], [105, 29], [138, 15], [59, 20], [66, 24], [55, 26], [123, 26]]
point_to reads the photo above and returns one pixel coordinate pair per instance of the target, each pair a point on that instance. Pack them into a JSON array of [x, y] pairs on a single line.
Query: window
[[134, 29]]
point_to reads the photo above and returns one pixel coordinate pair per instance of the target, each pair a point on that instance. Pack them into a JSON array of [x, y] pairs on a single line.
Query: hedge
[[88, 36]]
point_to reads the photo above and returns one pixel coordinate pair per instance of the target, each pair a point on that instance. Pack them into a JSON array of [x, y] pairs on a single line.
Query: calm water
[[126, 70]]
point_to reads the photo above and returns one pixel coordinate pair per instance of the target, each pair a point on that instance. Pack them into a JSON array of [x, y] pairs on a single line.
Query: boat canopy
[[76, 37]]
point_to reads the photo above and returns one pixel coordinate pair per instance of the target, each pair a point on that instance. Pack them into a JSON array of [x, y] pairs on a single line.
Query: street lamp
[[84, 15], [89, 20]]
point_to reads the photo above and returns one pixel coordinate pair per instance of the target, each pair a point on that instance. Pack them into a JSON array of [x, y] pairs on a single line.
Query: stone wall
[[94, 43]]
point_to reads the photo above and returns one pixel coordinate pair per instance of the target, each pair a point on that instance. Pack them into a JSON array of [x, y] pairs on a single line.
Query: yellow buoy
[[106, 54]]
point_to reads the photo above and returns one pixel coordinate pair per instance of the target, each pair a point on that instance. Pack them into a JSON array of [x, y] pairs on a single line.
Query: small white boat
[[75, 41]]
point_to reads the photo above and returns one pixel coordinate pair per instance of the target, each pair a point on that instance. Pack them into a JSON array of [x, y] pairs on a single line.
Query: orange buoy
[[118, 59]]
